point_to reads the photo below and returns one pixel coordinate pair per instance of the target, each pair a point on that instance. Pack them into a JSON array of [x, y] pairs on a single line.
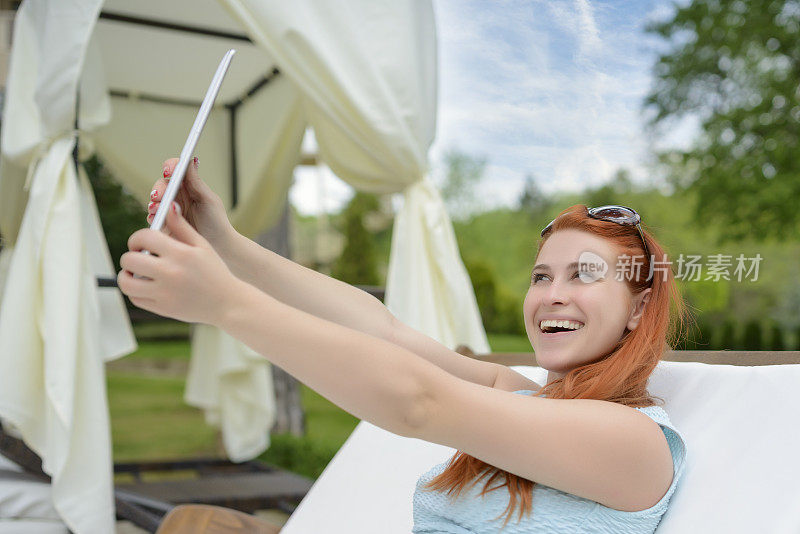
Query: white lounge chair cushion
[[26, 505], [741, 430], [32, 526]]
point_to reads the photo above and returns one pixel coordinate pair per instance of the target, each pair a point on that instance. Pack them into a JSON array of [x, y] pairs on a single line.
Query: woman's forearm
[[369, 377], [305, 289], [343, 304]]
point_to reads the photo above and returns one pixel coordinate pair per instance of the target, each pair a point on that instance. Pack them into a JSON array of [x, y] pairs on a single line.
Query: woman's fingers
[[146, 239], [158, 190], [168, 167], [138, 290], [195, 186], [142, 265], [180, 228], [192, 187], [152, 208]]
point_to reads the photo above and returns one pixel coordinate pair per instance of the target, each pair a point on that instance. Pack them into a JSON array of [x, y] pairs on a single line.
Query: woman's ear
[[639, 302]]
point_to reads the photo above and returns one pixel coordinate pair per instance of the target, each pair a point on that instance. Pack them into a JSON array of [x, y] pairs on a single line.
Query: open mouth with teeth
[[552, 327]]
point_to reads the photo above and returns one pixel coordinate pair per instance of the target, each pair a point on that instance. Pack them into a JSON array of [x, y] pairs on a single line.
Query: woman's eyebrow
[[545, 267]]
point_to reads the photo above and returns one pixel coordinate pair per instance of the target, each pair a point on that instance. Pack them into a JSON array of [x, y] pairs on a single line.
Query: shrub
[[727, 339], [752, 336], [501, 311], [300, 455], [509, 318], [706, 335], [797, 338], [482, 277], [776, 338], [697, 337], [358, 262]]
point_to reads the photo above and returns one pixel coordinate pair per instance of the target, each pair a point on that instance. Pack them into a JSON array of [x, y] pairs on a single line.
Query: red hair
[[620, 376]]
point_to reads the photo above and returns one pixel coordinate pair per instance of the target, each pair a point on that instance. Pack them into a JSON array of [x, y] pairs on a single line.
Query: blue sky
[[548, 88]]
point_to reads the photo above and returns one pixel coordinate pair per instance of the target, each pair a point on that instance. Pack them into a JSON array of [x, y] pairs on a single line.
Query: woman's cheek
[[527, 306]]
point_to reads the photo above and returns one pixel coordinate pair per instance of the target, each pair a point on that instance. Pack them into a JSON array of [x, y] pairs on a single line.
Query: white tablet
[[174, 183]]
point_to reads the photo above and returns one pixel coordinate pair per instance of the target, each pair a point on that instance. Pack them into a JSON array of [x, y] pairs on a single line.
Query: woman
[[588, 452]]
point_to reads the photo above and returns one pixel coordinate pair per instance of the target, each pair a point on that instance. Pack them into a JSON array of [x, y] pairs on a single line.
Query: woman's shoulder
[[675, 440], [657, 413]]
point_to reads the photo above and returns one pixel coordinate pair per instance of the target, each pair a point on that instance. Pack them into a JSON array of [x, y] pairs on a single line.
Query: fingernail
[[153, 194], [176, 208], [167, 173], [196, 162], [150, 206], [150, 217]]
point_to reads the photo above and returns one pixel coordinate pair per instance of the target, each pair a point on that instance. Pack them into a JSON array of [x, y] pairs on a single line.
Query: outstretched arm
[[185, 278], [343, 304], [369, 377], [306, 289]]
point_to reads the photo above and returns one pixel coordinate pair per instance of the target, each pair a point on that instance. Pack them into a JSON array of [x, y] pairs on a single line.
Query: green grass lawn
[[150, 420], [509, 343]]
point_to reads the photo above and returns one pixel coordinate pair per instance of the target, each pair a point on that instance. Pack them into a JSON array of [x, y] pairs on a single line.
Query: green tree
[[797, 338], [728, 336], [706, 335], [601, 196], [509, 314], [622, 182], [120, 213], [776, 338], [481, 275], [533, 200], [501, 311], [464, 173], [752, 336], [697, 336], [610, 192], [734, 66], [357, 263]]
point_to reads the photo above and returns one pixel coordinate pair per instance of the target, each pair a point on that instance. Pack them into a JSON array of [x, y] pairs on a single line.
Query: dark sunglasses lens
[[546, 228], [616, 213]]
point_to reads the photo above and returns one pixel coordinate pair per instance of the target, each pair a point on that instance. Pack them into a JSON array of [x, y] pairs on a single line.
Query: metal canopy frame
[[232, 107]]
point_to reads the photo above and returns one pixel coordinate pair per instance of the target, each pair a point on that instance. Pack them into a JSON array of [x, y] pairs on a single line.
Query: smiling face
[[601, 306]]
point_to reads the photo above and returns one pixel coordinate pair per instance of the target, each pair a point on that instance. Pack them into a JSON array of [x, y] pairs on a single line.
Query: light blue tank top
[[552, 510]]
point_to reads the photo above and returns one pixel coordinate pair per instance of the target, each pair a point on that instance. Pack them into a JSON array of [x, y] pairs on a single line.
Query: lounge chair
[[219, 494], [739, 414], [204, 519]]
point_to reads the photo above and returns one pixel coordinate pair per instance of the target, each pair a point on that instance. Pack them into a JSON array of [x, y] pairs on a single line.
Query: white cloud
[[549, 88], [317, 189], [577, 19]]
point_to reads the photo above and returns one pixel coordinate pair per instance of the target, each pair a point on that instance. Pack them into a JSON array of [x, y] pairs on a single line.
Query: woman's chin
[[552, 361]]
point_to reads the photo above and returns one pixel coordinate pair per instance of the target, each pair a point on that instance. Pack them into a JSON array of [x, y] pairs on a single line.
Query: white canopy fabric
[[56, 332], [361, 73]]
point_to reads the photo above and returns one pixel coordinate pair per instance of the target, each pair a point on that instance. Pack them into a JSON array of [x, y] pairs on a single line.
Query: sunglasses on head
[[618, 214]]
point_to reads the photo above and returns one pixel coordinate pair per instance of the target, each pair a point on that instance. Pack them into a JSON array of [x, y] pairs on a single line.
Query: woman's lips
[[558, 335]]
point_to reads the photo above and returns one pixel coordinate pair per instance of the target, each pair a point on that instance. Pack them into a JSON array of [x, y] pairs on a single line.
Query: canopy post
[[77, 137], [232, 109]]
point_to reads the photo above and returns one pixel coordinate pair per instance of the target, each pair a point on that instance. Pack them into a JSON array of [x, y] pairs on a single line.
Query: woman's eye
[[536, 277]]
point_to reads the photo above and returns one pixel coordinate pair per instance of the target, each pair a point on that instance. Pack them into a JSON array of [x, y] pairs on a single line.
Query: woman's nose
[[557, 293]]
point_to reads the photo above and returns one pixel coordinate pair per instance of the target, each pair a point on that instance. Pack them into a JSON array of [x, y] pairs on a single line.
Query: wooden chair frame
[[714, 357]]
